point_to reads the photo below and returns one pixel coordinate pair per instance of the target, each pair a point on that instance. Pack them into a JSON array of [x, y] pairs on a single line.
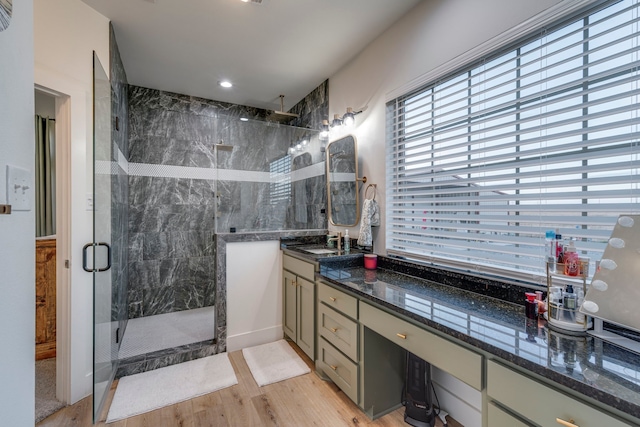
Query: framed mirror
[[342, 182]]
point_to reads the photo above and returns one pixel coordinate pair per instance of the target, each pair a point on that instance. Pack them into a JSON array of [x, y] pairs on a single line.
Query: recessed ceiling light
[[225, 83]]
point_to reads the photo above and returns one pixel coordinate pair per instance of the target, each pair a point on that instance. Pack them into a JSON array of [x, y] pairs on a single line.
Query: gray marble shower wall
[[182, 190], [119, 185]]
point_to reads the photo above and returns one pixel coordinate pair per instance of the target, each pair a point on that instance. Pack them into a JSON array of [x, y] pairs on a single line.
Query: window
[[542, 136], [280, 180]]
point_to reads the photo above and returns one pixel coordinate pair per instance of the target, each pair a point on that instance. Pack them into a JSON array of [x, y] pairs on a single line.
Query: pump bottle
[[347, 241]]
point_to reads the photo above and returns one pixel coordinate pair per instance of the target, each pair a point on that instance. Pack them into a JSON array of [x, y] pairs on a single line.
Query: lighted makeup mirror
[[615, 288]]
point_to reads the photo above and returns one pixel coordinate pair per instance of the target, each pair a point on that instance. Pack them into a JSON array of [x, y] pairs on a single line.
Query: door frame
[[63, 242]]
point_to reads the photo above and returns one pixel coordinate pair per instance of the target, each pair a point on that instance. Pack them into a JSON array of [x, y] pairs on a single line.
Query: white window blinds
[[542, 136]]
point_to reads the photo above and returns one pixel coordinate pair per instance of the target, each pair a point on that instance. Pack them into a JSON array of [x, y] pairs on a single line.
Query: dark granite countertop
[[585, 364], [297, 247]]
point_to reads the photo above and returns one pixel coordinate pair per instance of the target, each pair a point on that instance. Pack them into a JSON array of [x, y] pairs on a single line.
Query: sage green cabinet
[[539, 403], [463, 364], [497, 417], [338, 339], [298, 316]]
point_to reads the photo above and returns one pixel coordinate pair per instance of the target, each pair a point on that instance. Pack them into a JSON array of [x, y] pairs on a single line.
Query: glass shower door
[[105, 348]]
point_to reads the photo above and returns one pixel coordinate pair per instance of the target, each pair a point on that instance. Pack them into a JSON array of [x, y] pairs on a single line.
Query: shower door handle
[[84, 257]]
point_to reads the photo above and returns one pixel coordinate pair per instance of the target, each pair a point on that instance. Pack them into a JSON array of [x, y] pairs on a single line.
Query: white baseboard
[[253, 338]]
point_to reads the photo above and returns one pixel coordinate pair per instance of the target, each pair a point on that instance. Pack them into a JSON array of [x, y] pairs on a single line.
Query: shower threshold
[[164, 331]]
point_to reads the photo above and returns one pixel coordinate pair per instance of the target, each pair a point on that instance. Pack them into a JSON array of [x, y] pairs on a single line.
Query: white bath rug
[[151, 390], [273, 362]]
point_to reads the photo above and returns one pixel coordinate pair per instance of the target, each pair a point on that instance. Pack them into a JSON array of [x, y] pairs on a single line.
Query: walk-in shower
[[194, 174]]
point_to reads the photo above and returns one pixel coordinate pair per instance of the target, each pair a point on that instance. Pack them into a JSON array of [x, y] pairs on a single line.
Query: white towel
[[370, 217]]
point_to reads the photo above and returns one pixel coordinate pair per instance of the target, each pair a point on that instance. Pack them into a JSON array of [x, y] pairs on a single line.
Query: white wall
[[66, 32], [434, 32], [17, 231], [430, 35], [254, 294]]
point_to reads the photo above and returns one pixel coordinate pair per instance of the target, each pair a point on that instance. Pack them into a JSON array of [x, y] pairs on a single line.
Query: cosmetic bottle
[[559, 250], [531, 305], [571, 260], [554, 301], [569, 300], [347, 242], [550, 242], [579, 315]]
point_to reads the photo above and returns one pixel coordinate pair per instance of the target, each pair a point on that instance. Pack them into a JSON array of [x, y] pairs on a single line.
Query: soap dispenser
[[347, 241]]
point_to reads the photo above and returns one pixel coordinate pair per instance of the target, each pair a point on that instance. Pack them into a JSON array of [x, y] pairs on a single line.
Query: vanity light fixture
[[225, 83], [337, 121], [349, 117], [324, 130]]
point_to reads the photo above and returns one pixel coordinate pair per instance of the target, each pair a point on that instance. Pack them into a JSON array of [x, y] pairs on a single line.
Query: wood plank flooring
[[301, 401]]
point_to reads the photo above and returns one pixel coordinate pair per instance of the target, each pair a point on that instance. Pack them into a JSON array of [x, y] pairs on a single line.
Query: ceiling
[[278, 47]]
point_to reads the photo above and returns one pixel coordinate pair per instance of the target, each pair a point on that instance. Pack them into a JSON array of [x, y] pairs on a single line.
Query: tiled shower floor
[[153, 333]]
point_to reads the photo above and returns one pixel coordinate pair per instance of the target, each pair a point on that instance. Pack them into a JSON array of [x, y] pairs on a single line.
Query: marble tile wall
[[181, 192], [119, 185], [313, 109]]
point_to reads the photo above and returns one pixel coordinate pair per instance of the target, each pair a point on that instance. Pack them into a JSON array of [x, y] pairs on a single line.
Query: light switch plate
[[19, 188]]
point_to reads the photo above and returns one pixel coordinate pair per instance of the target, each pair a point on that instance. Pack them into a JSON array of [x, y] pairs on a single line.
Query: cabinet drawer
[[450, 357], [338, 300], [515, 391], [342, 371], [498, 418], [299, 267], [339, 330]]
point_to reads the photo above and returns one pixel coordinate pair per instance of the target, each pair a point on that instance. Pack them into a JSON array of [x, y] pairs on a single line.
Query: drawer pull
[[333, 299], [334, 330], [566, 423], [294, 283], [403, 336], [335, 368]]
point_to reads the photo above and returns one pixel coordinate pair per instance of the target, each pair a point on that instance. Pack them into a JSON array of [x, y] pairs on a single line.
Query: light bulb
[[349, 118], [324, 130], [337, 121]]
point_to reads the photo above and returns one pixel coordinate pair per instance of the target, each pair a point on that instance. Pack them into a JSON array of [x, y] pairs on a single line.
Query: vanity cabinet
[[338, 339], [446, 355], [298, 317], [539, 403], [497, 417]]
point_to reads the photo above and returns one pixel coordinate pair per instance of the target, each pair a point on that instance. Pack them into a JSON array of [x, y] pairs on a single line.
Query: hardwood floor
[[301, 401]]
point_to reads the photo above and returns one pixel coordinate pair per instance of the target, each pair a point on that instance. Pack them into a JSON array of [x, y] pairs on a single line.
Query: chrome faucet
[[338, 240]]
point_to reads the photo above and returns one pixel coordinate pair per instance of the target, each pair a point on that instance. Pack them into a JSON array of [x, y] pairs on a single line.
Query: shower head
[[221, 146], [282, 116]]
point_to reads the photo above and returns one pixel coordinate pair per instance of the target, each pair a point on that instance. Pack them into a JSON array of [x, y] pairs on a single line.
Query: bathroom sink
[[320, 251]]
